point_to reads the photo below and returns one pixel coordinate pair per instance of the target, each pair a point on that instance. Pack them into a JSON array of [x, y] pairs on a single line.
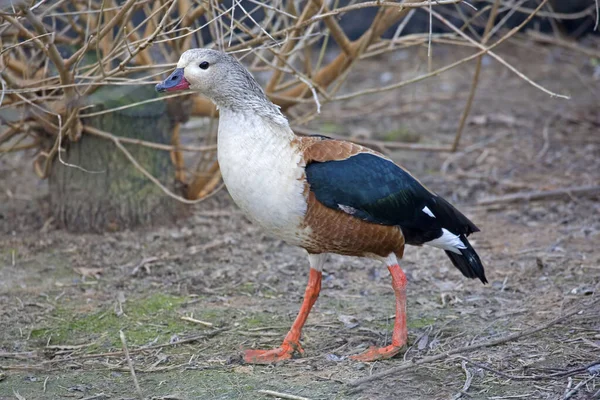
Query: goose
[[323, 195]]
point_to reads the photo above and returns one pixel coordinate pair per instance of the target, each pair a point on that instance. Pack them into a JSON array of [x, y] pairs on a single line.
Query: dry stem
[[467, 349], [282, 43]]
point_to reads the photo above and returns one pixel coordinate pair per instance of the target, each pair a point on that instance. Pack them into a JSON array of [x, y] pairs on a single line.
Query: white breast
[[263, 173]]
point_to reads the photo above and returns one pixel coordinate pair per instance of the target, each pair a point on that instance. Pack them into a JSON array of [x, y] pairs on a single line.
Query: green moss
[[9, 251], [330, 127], [159, 302], [417, 323], [402, 134], [246, 287], [256, 321], [143, 320], [210, 315]]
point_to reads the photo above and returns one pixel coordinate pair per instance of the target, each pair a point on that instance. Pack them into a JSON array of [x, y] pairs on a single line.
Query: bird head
[[224, 80], [198, 69], [214, 74]]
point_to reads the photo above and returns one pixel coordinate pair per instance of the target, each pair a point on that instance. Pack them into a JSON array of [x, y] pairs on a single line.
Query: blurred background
[[78, 84]]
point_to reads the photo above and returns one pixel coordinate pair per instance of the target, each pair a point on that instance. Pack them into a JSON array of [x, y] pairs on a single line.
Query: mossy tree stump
[[113, 194]]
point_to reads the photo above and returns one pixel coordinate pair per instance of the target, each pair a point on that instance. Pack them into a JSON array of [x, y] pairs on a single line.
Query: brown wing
[[335, 231], [321, 149]]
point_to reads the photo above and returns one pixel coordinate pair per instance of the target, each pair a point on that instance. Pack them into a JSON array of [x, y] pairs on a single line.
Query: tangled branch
[[55, 56]]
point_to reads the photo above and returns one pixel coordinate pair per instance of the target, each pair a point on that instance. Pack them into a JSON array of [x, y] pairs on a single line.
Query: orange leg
[[400, 333], [291, 343]]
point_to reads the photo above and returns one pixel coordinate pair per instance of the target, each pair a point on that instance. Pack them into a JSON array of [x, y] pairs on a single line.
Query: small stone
[[334, 358], [360, 366], [243, 369], [349, 321], [594, 370]]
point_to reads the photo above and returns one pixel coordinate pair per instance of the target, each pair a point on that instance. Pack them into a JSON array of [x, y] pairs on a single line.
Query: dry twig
[[466, 349], [570, 372], [542, 195], [282, 395], [138, 390], [40, 366], [281, 43], [197, 321], [467, 385]]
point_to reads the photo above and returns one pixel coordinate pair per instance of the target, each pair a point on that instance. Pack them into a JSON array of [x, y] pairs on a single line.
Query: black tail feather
[[452, 219], [468, 261]]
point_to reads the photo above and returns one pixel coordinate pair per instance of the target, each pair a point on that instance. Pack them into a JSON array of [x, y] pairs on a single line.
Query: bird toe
[[284, 352], [377, 353]]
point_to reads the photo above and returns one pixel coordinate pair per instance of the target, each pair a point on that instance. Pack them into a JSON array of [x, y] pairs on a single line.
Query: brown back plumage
[[335, 231]]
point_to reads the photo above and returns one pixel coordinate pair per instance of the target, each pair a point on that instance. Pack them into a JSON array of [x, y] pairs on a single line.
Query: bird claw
[[377, 353], [283, 352]]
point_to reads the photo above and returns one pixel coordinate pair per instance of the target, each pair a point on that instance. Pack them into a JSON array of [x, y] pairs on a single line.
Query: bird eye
[[204, 65]]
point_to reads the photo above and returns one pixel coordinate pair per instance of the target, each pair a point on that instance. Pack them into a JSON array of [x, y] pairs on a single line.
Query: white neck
[[262, 170], [261, 123]]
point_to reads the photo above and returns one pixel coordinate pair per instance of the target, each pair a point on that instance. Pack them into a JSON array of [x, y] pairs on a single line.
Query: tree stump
[[114, 194]]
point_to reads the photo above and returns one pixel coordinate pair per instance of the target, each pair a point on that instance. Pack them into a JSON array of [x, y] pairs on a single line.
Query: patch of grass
[[143, 320], [9, 251], [417, 323], [402, 134], [221, 384], [331, 127], [212, 315], [260, 319], [246, 287]]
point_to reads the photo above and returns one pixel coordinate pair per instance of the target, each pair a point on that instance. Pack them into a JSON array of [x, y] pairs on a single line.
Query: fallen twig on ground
[[24, 355], [570, 372], [18, 396], [466, 349], [42, 365], [95, 397], [468, 379], [542, 195], [571, 392], [197, 321], [282, 395], [138, 390]]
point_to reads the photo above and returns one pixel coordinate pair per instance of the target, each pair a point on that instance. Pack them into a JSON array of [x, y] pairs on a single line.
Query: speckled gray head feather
[[224, 80]]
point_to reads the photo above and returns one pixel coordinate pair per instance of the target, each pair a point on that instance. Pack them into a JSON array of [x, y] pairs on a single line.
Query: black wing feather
[[379, 191], [384, 193]]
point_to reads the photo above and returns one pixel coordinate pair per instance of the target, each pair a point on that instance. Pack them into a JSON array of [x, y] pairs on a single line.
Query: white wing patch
[[427, 211], [347, 209], [448, 241]]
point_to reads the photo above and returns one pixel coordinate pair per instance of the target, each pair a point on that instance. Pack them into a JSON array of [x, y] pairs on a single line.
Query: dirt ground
[[65, 297]]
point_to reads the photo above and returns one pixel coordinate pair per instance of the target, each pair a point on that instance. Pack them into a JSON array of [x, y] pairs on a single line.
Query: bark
[[114, 195]]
